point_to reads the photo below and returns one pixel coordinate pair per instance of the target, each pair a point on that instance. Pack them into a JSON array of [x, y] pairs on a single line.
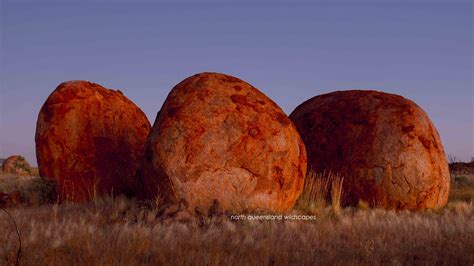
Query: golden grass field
[[122, 231]]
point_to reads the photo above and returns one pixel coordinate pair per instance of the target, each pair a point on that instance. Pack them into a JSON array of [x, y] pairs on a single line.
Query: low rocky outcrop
[[17, 164]]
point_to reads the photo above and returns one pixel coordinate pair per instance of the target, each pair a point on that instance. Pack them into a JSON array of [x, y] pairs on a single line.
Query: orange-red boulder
[[16, 164], [217, 139], [384, 145], [90, 140]]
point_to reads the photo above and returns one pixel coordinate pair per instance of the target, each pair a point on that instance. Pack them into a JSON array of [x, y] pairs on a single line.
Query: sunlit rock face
[[90, 140], [384, 145], [219, 139]]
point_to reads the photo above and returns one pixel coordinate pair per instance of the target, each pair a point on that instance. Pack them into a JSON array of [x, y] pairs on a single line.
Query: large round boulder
[[16, 164], [90, 140], [384, 145], [219, 140]]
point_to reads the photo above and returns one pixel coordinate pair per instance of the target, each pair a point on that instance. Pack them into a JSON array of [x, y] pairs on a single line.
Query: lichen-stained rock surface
[[384, 145], [16, 164], [218, 139], [90, 139]]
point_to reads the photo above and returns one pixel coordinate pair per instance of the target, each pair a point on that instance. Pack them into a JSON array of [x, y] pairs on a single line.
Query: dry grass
[[336, 194], [117, 232], [316, 192], [12, 182], [123, 232], [33, 189], [462, 188]]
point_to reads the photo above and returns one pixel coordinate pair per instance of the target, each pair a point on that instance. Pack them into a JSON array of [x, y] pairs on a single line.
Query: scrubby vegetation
[[123, 231], [33, 190]]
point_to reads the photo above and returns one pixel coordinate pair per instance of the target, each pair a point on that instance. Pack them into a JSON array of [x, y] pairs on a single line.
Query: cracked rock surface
[[90, 140], [219, 139], [384, 145]]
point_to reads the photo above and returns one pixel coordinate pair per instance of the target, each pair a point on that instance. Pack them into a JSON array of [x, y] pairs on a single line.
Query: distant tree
[[453, 158]]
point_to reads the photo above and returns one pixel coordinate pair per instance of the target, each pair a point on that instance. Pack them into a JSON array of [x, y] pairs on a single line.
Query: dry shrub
[[40, 191], [33, 189], [12, 182], [462, 187]]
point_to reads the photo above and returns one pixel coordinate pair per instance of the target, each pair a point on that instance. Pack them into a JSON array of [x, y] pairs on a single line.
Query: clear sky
[[292, 51]]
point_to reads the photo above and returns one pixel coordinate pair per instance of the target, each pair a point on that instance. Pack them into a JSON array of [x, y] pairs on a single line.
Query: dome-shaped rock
[[384, 145], [16, 164], [91, 140], [218, 139]]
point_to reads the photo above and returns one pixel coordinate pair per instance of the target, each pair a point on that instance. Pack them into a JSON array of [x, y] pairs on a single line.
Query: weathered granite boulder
[[219, 139], [384, 145], [16, 164], [91, 140]]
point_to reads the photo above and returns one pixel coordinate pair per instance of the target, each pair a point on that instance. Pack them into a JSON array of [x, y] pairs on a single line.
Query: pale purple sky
[[291, 50]]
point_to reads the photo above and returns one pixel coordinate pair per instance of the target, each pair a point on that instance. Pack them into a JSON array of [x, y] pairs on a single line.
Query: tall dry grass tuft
[[318, 189], [336, 193], [313, 198]]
